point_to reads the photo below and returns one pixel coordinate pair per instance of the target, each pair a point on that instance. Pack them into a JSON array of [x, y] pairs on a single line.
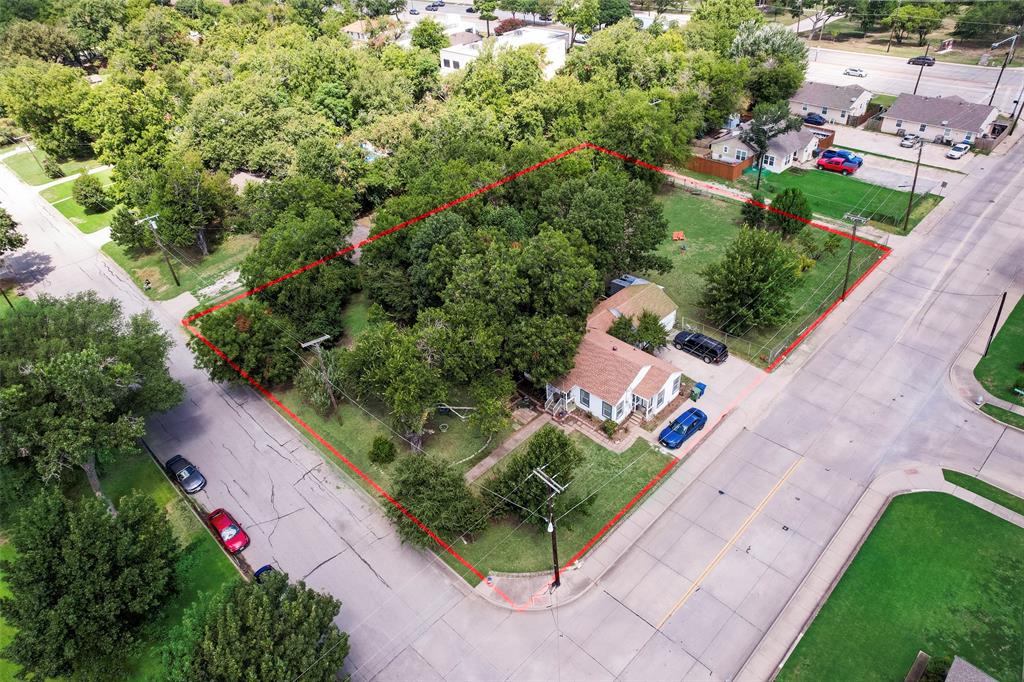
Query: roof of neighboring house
[[606, 366], [962, 671], [948, 112], [464, 38], [787, 143], [825, 95], [366, 25]]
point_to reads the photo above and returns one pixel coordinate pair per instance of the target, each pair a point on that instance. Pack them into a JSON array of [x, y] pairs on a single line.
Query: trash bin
[[697, 391]]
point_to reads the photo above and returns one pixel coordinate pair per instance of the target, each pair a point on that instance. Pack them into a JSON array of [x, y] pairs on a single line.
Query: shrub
[[89, 193], [52, 168], [508, 25], [609, 426], [382, 451], [753, 214], [438, 496]]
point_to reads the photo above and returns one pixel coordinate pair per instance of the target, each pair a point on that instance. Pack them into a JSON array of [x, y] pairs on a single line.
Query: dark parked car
[[431, 8], [186, 474], [682, 427], [843, 154], [229, 532], [414, 11], [922, 60], [837, 164], [262, 573], [472, 10], [815, 119], [704, 347]]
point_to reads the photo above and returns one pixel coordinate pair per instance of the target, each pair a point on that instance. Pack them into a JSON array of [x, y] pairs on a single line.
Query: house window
[[947, 133], [455, 65], [769, 160], [968, 136], [660, 400], [584, 398], [923, 127], [899, 123], [447, 63], [794, 157], [606, 410], [725, 149], [824, 110], [741, 154], [675, 384], [842, 114], [620, 409], [805, 107]]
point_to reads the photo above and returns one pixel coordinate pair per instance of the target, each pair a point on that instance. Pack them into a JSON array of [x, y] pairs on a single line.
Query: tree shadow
[[27, 268]]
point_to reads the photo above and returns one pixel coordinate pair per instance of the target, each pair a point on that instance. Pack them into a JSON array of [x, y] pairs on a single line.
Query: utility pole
[[994, 325], [167, 259], [556, 489], [921, 70], [913, 186], [1006, 60], [315, 344], [856, 220], [892, 32]]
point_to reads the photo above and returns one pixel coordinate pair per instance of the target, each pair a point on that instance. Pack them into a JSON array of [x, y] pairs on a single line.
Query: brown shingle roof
[[635, 299], [950, 112]]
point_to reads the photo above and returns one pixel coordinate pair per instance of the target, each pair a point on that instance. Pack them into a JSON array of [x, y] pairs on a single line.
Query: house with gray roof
[[790, 149], [837, 103], [939, 119]]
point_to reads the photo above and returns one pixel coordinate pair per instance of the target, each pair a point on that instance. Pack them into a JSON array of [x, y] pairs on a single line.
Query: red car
[[837, 164], [231, 534]]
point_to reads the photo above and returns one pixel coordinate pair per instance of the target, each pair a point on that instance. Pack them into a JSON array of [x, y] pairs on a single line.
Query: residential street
[[893, 75], [867, 394]]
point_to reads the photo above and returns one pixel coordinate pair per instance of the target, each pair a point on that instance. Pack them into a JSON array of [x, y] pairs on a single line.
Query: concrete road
[[893, 75]]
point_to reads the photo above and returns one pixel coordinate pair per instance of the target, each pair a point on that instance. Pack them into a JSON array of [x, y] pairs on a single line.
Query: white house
[[837, 103], [940, 119], [730, 148], [790, 149], [611, 379], [555, 43]]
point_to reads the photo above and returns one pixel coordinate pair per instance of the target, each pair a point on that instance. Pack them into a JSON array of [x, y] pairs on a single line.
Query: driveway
[[889, 145]]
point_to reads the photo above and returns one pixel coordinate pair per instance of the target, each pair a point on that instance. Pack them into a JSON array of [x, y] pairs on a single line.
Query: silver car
[[958, 150], [910, 141], [854, 71], [186, 474]]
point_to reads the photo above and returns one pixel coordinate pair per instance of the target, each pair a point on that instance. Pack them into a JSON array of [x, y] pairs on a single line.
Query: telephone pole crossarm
[[556, 488]]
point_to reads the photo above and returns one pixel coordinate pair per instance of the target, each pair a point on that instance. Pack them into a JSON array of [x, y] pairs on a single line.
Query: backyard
[[937, 574], [202, 571], [1004, 365], [194, 271], [709, 224], [28, 170], [59, 196]]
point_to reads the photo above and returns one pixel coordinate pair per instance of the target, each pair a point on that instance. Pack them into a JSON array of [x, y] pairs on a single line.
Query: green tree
[[261, 344], [771, 119], [990, 21], [127, 232], [543, 346], [154, 39], [760, 42], [790, 211], [612, 11], [715, 23], [76, 605], [89, 192], [93, 20], [382, 450], [515, 491], [315, 301], [581, 16], [271, 630], [429, 35], [650, 335], [775, 81], [10, 238], [906, 19], [753, 211], [265, 204], [43, 99], [487, 10], [36, 40], [125, 121], [78, 379], [751, 285], [437, 495], [491, 397], [623, 329], [317, 157]]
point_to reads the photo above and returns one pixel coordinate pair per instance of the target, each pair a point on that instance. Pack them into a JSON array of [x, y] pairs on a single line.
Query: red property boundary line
[[187, 323]]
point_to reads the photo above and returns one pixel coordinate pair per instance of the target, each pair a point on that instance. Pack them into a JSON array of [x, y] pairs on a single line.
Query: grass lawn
[[1005, 416], [15, 298], [29, 172], [883, 100], [194, 275], [1004, 363], [355, 318], [833, 195], [710, 224], [613, 479], [203, 569], [86, 221], [936, 574], [351, 430], [986, 490]]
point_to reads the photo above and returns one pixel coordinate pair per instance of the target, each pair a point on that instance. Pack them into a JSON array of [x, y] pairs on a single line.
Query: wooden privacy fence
[[719, 169]]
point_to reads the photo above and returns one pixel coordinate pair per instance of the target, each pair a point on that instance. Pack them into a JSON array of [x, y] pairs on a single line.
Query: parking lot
[[889, 145]]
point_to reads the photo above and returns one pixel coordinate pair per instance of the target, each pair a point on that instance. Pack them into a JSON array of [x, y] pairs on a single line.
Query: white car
[[957, 151], [909, 141], [854, 71]]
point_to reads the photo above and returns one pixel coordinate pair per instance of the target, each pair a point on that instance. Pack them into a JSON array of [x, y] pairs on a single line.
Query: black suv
[[704, 347], [922, 60], [186, 474]]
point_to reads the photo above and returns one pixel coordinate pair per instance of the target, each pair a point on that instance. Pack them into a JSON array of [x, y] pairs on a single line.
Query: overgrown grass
[[1005, 416], [613, 480], [986, 490], [194, 272], [710, 224], [356, 317], [28, 170], [1004, 363], [936, 574]]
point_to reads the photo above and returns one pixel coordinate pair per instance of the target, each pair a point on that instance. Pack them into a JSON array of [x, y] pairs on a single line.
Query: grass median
[[1004, 365]]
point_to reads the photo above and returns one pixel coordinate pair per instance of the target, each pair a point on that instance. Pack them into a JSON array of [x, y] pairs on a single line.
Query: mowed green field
[[28, 170], [86, 221], [1004, 363], [937, 574]]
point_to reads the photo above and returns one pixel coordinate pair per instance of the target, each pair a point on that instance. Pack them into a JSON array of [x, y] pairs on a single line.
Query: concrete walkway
[[511, 443], [815, 589]]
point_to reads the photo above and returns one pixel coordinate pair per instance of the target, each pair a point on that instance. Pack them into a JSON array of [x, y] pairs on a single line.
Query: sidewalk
[[511, 443], [798, 614]]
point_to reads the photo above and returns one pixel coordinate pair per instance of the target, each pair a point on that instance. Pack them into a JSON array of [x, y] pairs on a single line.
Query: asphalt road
[[867, 394], [893, 75]]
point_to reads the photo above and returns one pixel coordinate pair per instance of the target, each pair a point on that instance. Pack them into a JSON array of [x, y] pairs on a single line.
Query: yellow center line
[[728, 545]]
